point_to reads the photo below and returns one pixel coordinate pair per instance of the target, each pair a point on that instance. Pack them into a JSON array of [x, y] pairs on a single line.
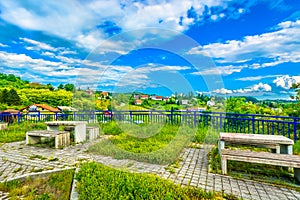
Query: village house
[[138, 102], [40, 108], [143, 97]]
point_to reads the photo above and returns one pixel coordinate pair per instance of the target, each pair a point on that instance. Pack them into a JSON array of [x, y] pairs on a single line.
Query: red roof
[[44, 106]]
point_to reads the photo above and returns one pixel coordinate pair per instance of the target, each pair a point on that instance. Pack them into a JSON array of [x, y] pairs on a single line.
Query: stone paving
[[17, 159]]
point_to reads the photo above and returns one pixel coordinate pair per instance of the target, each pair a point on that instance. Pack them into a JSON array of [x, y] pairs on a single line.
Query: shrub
[[96, 181]]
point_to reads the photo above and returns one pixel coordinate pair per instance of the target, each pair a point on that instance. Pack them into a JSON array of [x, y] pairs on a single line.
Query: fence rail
[[226, 122]]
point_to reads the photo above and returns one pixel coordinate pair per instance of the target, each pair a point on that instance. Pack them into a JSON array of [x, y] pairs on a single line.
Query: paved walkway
[[17, 159]]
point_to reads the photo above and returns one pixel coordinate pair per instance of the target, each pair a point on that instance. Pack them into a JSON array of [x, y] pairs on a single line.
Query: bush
[[96, 181], [111, 128], [160, 148], [53, 186], [17, 132]]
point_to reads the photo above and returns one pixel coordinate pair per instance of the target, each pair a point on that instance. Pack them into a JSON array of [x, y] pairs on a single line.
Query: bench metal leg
[[297, 174], [221, 145], [224, 164]]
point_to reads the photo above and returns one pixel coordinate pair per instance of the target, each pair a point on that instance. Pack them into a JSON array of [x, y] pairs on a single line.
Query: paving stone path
[[17, 159]]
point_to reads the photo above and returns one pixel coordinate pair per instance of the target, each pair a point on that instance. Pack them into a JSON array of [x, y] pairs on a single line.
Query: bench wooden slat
[[284, 160], [262, 155]]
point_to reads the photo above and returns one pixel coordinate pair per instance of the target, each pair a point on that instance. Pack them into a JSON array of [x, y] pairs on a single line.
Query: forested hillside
[[17, 93]]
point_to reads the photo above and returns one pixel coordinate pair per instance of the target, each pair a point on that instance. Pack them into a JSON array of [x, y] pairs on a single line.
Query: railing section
[[226, 122]]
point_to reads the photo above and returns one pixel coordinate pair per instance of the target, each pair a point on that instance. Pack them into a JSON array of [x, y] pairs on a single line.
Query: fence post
[[221, 121], [195, 120], [295, 129], [19, 117], [39, 116], [56, 116], [253, 124]]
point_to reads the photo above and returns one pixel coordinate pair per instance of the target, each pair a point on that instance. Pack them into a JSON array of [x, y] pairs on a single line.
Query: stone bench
[[92, 132], [284, 160], [61, 138], [79, 128]]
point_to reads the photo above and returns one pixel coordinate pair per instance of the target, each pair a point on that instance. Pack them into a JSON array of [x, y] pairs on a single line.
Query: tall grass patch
[[156, 143], [56, 186], [17, 132], [96, 181]]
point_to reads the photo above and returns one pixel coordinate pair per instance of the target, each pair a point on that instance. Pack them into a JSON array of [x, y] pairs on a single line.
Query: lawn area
[[156, 143], [17, 132], [55, 186], [96, 181]]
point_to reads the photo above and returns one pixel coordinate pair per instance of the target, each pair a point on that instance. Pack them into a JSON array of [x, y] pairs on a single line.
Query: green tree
[[50, 87], [69, 87], [13, 98], [296, 87], [60, 87], [3, 96]]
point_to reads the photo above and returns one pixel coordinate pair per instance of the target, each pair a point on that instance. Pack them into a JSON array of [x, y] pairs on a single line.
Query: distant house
[[41, 108], [105, 94], [210, 103], [89, 92], [184, 102], [159, 98], [138, 102], [67, 109], [166, 98], [144, 97], [153, 97], [136, 96]]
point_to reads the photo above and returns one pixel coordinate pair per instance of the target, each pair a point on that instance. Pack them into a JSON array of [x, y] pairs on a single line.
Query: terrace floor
[[18, 160]]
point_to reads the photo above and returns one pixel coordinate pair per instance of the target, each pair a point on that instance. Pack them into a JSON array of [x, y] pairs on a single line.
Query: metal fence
[[226, 122]]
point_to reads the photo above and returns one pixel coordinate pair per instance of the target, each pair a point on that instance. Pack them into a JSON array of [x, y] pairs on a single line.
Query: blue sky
[[232, 48]]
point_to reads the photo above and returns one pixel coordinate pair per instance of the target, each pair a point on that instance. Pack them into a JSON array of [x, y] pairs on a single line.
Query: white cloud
[[222, 70], [3, 45], [38, 45], [222, 91], [286, 81], [81, 20], [260, 87], [256, 78], [278, 46]]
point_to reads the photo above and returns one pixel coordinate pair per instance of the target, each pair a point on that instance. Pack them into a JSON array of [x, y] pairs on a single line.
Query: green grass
[[154, 143], [296, 148], [206, 135], [53, 186], [17, 132], [96, 181]]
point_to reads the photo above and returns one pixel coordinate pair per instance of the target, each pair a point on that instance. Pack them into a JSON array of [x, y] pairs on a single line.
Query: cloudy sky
[[232, 47]]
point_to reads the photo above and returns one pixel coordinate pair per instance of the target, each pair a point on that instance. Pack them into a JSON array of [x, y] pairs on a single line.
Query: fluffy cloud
[[36, 45], [278, 46], [260, 87], [90, 22], [224, 70], [286, 81]]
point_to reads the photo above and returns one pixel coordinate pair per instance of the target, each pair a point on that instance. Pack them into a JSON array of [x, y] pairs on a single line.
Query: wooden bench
[[61, 138], [277, 143], [284, 160]]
